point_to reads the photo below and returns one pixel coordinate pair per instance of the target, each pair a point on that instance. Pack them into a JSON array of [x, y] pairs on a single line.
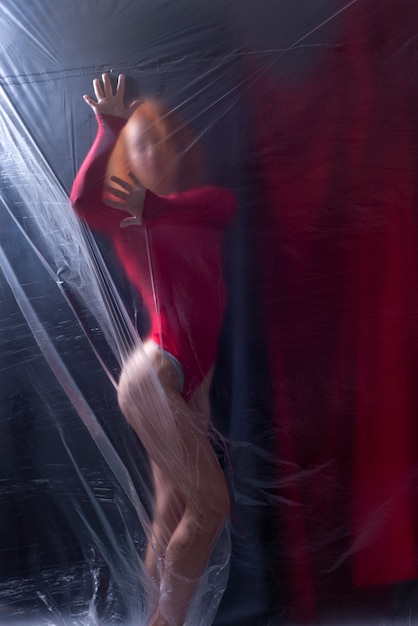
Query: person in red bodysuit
[[167, 229]]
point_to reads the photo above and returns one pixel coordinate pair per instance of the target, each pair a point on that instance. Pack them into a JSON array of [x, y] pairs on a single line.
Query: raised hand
[[131, 199], [109, 103]]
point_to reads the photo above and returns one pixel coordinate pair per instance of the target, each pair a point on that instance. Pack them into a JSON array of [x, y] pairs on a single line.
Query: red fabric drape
[[339, 243]]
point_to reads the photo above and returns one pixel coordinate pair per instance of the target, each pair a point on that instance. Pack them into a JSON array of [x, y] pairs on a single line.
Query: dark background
[[267, 84]]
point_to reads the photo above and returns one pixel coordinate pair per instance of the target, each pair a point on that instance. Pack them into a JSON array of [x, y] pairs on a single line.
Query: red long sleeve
[[211, 206], [87, 192]]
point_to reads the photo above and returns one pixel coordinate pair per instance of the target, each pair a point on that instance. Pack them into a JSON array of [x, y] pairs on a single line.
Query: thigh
[[169, 507], [174, 434], [194, 467], [200, 400], [196, 473]]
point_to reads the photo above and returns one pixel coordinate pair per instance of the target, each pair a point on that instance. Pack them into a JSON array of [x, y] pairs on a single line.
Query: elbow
[[75, 197], [78, 201], [76, 204]]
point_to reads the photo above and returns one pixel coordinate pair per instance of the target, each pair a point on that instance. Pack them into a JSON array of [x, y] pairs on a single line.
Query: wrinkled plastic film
[[90, 280], [116, 456], [70, 258]]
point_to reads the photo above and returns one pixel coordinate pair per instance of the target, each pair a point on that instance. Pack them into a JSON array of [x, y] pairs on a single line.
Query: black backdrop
[[214, 60]]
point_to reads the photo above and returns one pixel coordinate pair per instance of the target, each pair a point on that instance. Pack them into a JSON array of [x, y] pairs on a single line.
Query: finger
[[119, 181], [98, 91], [130, 221], [107, 83], [92, 103], [120, 206], [135, 180], [120, 88], [117, 192]]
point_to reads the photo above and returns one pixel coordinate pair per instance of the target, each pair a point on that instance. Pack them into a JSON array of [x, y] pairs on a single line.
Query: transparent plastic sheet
[[306, 113], [114, 513]]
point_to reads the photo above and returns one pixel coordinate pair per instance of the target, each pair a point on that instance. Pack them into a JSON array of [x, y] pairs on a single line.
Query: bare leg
[[187, 467], [168, 511], [169, 505]]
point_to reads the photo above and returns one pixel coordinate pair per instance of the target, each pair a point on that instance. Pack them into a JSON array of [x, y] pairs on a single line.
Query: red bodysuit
[[174, 258]]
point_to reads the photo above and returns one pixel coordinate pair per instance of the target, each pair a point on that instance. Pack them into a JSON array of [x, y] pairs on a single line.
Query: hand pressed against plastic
[[109, 103], [131, 199]]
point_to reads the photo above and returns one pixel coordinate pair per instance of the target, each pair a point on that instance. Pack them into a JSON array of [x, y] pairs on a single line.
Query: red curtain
[[339, 243]]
